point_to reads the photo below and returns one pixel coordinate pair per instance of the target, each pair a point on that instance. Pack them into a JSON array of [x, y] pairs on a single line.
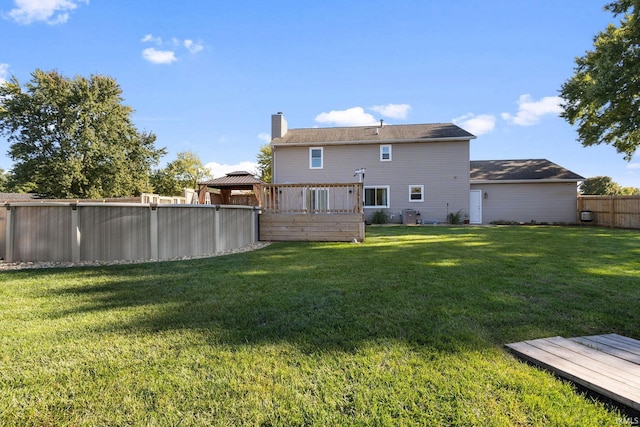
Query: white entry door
[[475, 206]]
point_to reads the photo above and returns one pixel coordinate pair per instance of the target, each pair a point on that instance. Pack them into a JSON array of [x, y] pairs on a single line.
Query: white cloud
[[355, 116], [150, 38], [477, 125], [4, 73], [168, 56], [192, 46], [159, 56], [530, 112], [633, 166], [395, 111], [265, 137], [219, 170], [49, 11]]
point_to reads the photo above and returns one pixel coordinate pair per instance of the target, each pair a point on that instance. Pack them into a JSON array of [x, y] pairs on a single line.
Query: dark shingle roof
[[17, 197], [238, 180], [387, 133], [518, 170]]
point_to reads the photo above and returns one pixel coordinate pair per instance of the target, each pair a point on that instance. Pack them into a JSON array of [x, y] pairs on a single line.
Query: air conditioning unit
[[409, 217]]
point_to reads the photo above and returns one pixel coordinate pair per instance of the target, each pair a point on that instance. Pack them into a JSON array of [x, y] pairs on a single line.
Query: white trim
[[311, 149], [421, 193], [382, 147]]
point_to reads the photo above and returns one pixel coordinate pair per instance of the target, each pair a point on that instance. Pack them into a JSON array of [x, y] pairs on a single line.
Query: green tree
[[602, 97], [600, 185], [184, 172], [73, 137], [4, 178], [264, 163], [630, 191]]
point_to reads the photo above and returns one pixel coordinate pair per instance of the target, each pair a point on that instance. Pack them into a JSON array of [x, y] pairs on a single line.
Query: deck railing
[[312, 198]]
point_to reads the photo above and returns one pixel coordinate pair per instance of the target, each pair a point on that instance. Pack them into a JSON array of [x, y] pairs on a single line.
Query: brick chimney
[[278, 126]]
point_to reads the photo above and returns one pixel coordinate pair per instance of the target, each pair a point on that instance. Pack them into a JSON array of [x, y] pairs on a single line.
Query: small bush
[[379, 217], [455, 217]]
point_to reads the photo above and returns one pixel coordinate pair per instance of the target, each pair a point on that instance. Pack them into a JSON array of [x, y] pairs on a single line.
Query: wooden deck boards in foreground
[[607, 364]]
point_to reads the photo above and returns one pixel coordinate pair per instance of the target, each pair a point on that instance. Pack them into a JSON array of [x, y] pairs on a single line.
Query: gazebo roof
[[239, 180]]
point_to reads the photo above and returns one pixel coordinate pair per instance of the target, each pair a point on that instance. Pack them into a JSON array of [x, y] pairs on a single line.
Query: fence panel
[[238, 220], [187, 230], [612, 211], [114, 233], [41, 232]]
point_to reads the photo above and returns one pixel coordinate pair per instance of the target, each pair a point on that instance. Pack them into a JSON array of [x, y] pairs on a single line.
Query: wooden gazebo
[[239, 180]]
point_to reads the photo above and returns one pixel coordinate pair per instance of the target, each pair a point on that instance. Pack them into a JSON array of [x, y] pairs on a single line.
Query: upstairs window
[[385, 153], [315, 158]]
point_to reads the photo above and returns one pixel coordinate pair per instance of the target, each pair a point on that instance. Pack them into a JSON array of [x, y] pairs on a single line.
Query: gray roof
[[373, 134], [237, 180], [519, 170], [17, 197]]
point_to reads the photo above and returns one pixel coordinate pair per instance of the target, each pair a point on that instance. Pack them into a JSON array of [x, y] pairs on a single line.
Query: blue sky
[[205, 76]]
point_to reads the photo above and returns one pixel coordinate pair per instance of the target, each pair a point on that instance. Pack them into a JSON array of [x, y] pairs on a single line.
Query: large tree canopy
[[73, 138], [603, 96]]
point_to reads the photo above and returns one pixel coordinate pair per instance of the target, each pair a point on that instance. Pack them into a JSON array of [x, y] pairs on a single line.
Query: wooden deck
[[607, 364]]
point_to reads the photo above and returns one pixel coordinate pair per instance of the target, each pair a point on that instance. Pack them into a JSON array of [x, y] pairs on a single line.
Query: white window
[[318, 199], [376, 197], [385, 153], [315, 157], [416, 193]]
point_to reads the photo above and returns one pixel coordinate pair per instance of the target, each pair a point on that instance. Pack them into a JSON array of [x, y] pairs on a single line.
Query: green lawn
[[407, 328]]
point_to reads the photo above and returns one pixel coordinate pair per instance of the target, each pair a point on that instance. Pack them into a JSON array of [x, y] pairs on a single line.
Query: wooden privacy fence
[[74, 232], [612, 211], [312, 212]]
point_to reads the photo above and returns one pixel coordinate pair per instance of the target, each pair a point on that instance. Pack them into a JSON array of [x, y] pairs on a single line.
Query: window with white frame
[[315, 158], [416, 193], [318, 199], [385, 153], [376, 197]]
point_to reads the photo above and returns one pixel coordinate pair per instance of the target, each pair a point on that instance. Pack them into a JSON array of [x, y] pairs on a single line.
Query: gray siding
[[441, 167], [540, 202]]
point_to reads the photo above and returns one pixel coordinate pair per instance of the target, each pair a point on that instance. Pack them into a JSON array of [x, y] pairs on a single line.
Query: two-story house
[[423, 168]]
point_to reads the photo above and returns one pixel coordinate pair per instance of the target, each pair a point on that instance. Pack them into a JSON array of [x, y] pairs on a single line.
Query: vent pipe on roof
[[381, 121]]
